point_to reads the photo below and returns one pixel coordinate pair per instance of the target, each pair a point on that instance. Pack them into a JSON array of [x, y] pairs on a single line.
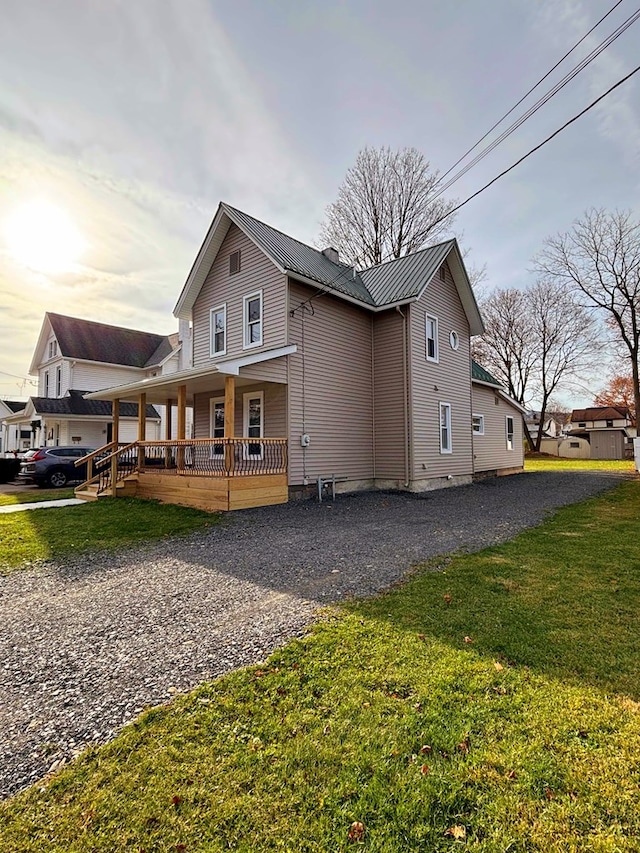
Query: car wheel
[[57, 479]]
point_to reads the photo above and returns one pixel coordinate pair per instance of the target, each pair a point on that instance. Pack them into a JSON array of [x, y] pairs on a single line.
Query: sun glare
[[43, 237]]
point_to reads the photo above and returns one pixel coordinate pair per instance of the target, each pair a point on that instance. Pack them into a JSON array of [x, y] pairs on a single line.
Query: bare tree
[[535, 340], [600, 258], [564, 334], [386, 208]]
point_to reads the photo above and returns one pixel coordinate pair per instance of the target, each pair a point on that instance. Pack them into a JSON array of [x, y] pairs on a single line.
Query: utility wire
[[532, 89], [541, 101], [538, 147]]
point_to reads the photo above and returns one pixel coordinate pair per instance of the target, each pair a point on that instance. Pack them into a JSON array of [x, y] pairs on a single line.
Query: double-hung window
[[252, 314], [509, 432], [477, 424], [218, 324], [46, 383], [445, 428], [253, 411], [432, 338]]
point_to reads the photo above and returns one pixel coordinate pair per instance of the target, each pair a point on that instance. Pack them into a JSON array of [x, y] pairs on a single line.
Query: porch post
[[182, 424], [229, 422], [142, 416], [115, 410], [167, 433], [142, 432]]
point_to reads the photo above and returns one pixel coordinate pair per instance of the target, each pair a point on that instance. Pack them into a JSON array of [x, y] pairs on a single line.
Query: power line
[[532, 89], [541, 101], [538, 147]]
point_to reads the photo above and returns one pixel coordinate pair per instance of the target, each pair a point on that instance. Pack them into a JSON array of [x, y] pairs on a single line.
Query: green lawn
[[34, 535], [554, 463], [491, 706], [27, 496]]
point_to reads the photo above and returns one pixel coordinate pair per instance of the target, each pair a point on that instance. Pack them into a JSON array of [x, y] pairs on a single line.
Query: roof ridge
[[410, 255], [288, 236], [106, 325]]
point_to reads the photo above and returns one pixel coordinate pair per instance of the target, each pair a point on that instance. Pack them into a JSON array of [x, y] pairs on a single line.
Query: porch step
[[125, 488]]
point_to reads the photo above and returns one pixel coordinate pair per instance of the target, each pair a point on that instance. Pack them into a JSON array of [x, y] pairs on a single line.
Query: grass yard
[[27, 496], [555, 463], [490, 706], [34, 535]]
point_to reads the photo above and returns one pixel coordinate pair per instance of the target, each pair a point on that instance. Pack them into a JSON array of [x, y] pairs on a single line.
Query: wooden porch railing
[[200, 457]]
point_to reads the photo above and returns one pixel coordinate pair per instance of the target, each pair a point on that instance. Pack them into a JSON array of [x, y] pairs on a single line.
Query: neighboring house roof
[[75, 404], [600, 413], [394, 282], [480, 374], [14, 405], [87, 340]]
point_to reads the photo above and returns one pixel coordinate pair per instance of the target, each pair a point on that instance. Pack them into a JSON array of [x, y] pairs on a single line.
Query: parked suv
[[53, 467]]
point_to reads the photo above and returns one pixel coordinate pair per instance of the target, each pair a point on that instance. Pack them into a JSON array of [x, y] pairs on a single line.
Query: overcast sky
[[137, 118]]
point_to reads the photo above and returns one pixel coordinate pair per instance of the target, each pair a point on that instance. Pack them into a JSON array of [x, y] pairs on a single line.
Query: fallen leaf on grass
[[549, 794], [468, 640], [447, 598], [457, 831], [425, 750], [498, 666], [176, 799], [356, 831], [464, 745], [424, 769]]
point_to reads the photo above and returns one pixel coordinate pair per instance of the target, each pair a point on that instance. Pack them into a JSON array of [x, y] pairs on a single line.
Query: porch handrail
[[238, 456], [108, 463]]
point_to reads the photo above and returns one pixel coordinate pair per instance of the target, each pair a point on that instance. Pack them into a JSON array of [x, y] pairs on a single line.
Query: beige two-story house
[[304, 367]]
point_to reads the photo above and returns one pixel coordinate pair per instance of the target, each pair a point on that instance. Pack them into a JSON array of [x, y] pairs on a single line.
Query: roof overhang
[[159, 389], [501, 393]]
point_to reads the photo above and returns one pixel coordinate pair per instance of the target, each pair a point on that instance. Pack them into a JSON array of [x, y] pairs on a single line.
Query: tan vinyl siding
[[275, 410], [335, 407], [490, 450], [256, 273], [389, 397], [447, 381]]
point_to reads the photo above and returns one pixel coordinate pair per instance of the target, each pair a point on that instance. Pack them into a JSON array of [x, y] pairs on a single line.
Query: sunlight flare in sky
[[41, 236]]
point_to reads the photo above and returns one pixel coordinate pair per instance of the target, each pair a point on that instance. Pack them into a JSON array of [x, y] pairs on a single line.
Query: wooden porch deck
[[210, 474]]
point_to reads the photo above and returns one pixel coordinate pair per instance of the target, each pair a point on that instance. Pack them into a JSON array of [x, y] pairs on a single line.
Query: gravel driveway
[[86, 644]]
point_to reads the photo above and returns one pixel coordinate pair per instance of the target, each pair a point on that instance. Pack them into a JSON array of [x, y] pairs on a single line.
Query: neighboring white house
[[75, 356], [17, 435]]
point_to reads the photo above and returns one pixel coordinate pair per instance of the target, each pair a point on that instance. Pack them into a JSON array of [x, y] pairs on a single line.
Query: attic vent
[[332, 254], [234, 262], [443, 273]]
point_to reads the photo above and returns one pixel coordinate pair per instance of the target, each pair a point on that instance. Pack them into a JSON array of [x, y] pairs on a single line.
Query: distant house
[[75, 356], [608, 429], [305, 368], [17, 435], [553, 426]]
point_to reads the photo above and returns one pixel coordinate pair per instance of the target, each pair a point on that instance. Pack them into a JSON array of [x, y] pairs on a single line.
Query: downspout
[[405, 393], [373, 397]]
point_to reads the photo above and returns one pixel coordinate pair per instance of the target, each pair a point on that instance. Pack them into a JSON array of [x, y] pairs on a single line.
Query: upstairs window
[[58, 381], [509, 431], [432, 338], [234, 262], [582, 424], [609, 423], [218, 322], [53, 348], [46, 383], [445, 428], [252, 312]]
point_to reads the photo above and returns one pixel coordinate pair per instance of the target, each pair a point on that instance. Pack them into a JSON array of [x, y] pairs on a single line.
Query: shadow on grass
[[562, 599]]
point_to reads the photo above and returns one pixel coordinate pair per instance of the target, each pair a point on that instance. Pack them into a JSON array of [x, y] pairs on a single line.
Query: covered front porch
[[217, 470]]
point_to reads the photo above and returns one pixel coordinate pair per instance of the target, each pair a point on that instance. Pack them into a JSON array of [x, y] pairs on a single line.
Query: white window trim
[[46, 383], [447, 407], [58, 381], [435, 358], [213, 353], [481, 430], [510, 445], [245, 422], [245, 320], [212, 403]]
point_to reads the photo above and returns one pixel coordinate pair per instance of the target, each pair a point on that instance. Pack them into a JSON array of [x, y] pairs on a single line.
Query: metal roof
[[481, 375], [404, 278], [293, 256]]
